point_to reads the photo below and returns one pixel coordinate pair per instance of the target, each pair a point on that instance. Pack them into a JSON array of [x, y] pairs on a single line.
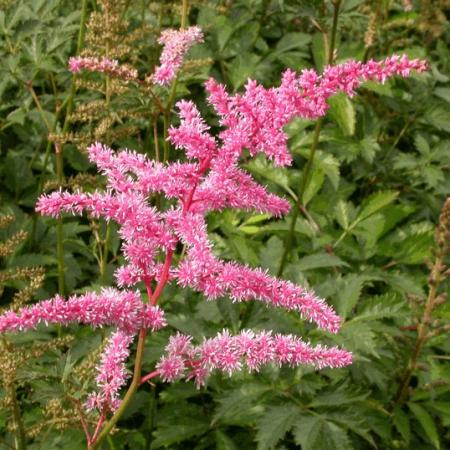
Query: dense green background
[[379, 179]]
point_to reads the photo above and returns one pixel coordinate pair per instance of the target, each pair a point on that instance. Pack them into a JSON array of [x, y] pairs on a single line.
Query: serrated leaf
[[319, 260], [376, 202], [329, 165], [343, 112], [272, 253], [275, 423], [240, 406], [380, 307], [427, 423], [341, 395], [443, 92], [342, 214], [315, 182], [421, 144], [291, 41], [315, 433], [438, 117], [348, 293], [224, 442], [401, 422], [274, 174], [178, 424], [359, 338]]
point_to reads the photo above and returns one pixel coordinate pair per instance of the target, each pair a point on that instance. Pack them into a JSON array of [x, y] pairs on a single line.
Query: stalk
[[301, 192], [437, 275], [21, 441], [312, 152]]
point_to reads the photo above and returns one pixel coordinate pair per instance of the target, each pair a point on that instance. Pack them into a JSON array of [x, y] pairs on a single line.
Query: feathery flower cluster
[[112, 374], [255, 119], [123, 309], [104, 65], [176, 44], [210, 180], [229, 353]]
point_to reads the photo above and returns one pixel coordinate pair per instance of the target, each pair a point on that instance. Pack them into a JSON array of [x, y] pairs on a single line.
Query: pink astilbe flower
[[228, 354], [211, 180], [176, 44], [104, 65], [112, 373], [122, 309], [255, 119], [192, 133]]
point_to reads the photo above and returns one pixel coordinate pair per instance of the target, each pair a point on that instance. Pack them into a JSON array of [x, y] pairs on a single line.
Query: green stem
[[38, 105], [20, 429], [301, 192], [423, 327], [184, 13], [312, 152], [104, 258]]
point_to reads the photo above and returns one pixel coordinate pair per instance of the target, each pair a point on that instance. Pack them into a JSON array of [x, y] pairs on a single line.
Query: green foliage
[[362, 240]]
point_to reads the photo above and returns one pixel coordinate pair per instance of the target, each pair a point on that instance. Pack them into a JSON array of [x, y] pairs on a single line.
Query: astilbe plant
[[210, 180]]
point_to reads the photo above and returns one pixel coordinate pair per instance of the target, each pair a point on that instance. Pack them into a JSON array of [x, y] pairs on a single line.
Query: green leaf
[[319, 51], [319, 260], [342, 111], [243, 67], [178, 424], [272, 253], [275, 423], [401, 422], [224, 442], [348, 293], [276, 175], [427, 423], [338, 396], [291, 41], [240, 406], [359, 338], [342, 214], [316, 433], [443, 92], [315, 182], [381, 307], [329, 165], [376, 202], [438, 117], [421, 145]]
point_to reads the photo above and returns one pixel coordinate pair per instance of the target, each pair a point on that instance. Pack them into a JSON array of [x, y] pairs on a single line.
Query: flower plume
[[176, 44], [210, 180]]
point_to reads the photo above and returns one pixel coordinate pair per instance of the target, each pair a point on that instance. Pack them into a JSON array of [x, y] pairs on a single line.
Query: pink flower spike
[[229, 354], [112, 373], [192, 134], [123, 309], [176, 44], [105, 65]]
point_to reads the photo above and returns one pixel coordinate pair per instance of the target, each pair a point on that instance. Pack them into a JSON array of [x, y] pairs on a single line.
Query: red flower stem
[[100, 422], [149, 376], [83, 421]]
